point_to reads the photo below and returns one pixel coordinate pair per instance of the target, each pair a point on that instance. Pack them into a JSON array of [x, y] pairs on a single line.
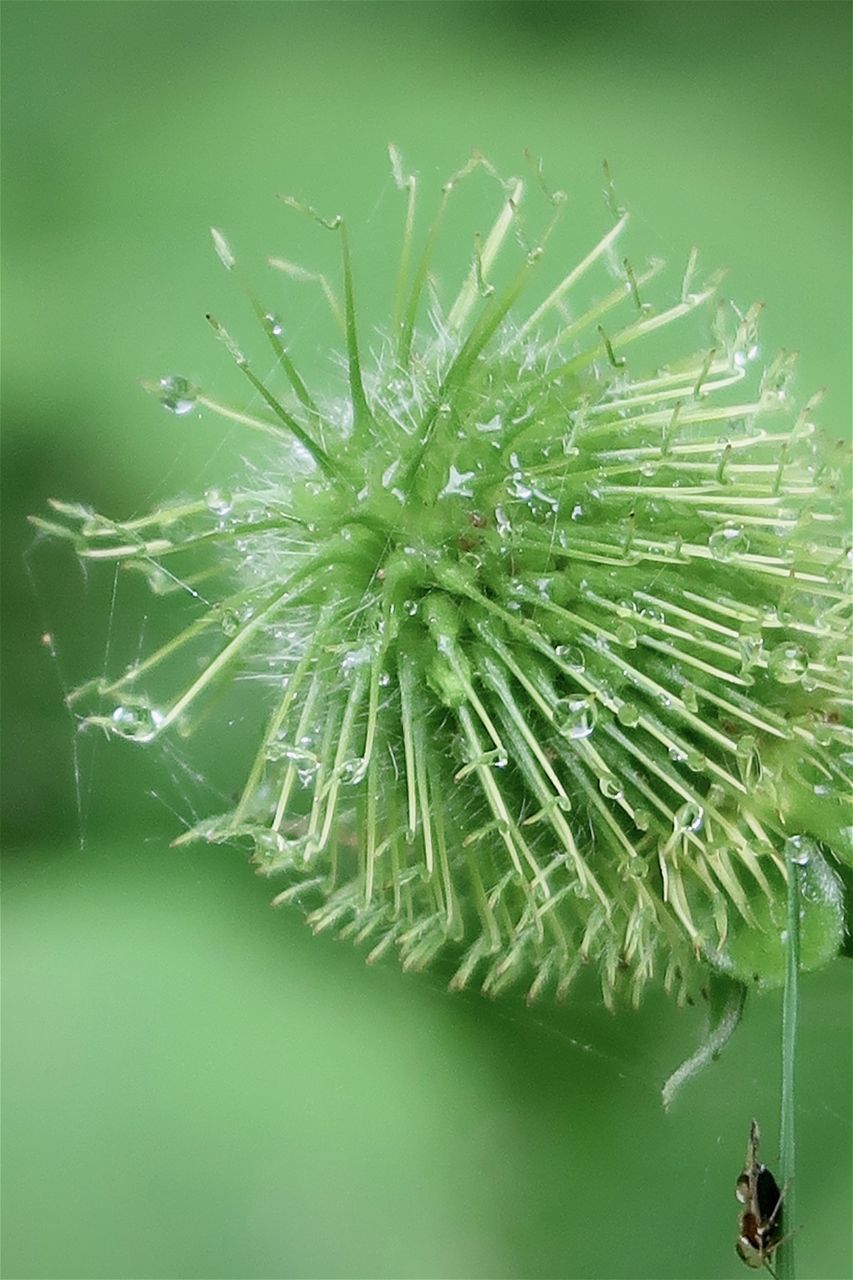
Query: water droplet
[[642, 819], [219, 501], [493, 425], [518, 488], [410, 607], [688, 818], [177, 395], [229, 621], [275, 323], [652, 614], [628, 715], [748, 761], [728, 542], [575, 717], [504, 526], [571, 655], [136, 720], [688, 697], [626, 635], [608, 785], [389, 475], [695, 760], [824, 621], [384, 680], [787, 663], [638, 866], [298, 754], [458, 482], [800, 849], [743, 355], [355, 658], [750, 647]]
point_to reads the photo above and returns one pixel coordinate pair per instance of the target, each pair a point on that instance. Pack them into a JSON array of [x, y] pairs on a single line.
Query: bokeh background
[[193, 1085]]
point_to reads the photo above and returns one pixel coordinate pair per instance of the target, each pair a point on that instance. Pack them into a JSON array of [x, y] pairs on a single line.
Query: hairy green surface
[[555, 631]]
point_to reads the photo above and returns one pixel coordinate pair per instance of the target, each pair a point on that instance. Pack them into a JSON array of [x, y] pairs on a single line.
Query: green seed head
[[555, 636]]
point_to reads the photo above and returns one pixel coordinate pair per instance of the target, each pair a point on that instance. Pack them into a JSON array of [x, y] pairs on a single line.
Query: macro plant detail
[[554, 630]]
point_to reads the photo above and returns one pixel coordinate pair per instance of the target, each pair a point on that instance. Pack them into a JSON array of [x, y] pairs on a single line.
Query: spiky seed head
[[556, 639]]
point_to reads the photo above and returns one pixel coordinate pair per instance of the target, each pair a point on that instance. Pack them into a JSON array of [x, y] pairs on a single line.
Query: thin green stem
[[361, 409], [787, 1134], [323, 460]]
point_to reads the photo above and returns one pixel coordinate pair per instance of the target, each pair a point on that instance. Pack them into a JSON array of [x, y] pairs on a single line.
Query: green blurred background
[[193, 1086]]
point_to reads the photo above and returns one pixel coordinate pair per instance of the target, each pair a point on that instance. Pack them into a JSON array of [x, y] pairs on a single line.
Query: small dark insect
[[760, 1224]]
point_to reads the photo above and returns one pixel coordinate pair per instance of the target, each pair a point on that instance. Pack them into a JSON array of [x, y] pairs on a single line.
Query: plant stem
[[787, 1138]]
